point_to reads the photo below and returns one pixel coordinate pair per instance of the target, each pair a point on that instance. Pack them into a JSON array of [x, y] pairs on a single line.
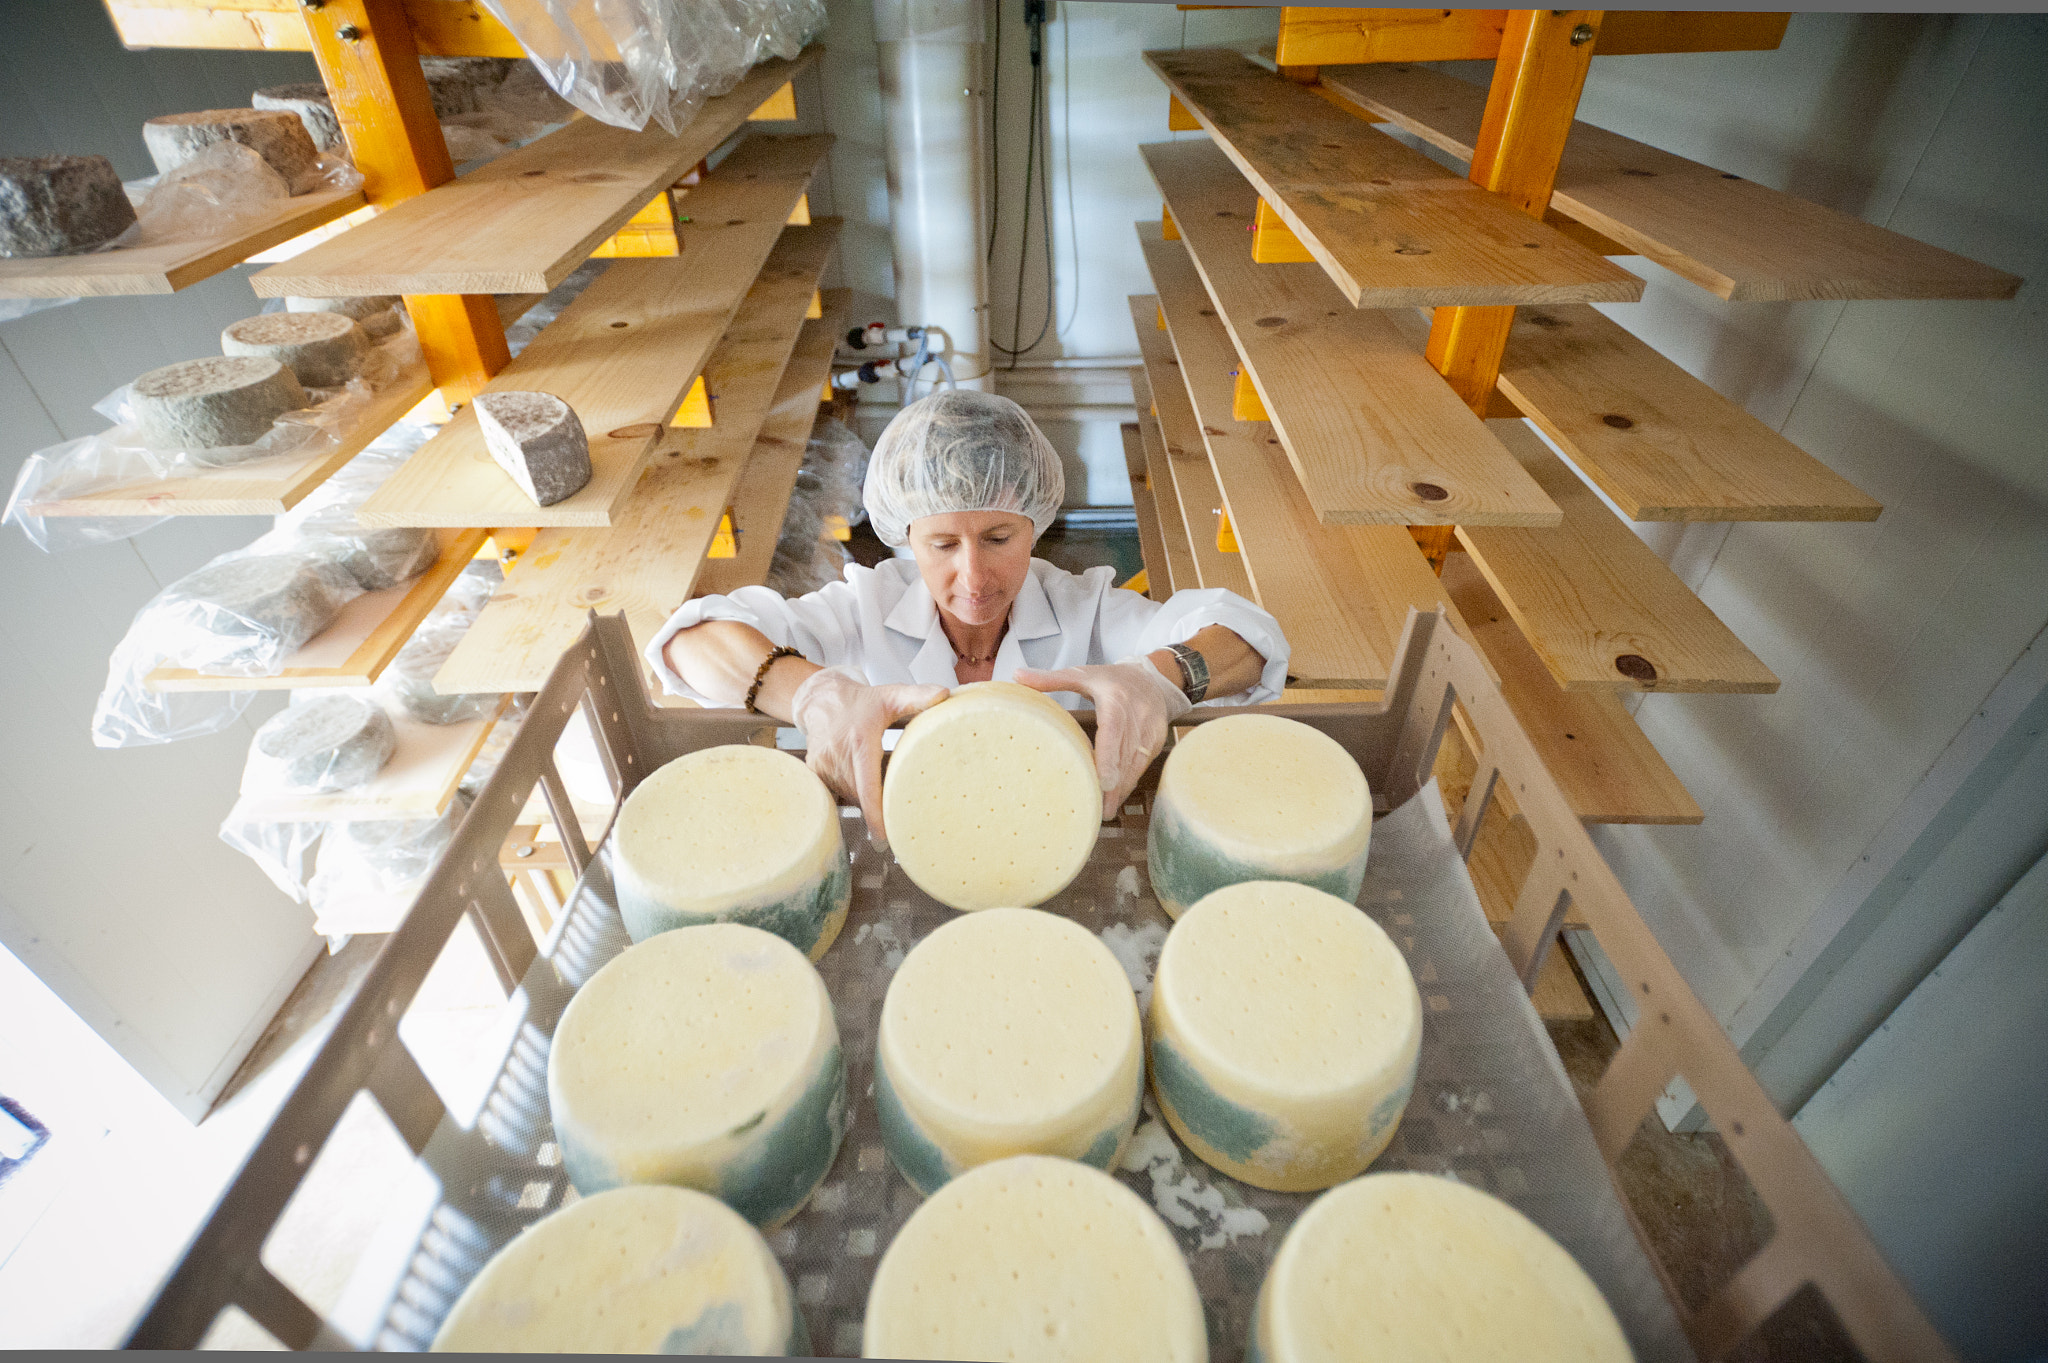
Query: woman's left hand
[[1134, 707]]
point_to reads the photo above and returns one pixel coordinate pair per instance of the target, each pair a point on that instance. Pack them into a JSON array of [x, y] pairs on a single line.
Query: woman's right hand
[[843, 719]]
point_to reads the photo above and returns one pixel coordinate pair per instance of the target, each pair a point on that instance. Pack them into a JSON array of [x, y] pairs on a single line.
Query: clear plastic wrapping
[[225, 185], [408, 683], [367, 874], [827, 484], [282, 851], [325, 742]]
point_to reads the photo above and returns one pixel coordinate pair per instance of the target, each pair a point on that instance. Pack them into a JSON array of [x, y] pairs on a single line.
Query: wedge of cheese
[[733, 834], [633, 1270], [707, 1058], [1007, 1032], [1257, 797], [1038, 1260], [991, 798], [1285, 1032], [1427, 1268]]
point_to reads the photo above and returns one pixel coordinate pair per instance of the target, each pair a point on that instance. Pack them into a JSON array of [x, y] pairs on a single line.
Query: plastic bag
[[282, 851], [323, 742], [407, 685], [369, 873], [510, 112], [827, 484], [226, 184]]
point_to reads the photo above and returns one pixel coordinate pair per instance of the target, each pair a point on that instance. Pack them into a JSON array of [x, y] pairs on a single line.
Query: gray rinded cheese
[[308, 101], [385, 557], [536, 438], [376, 314], [333, 743], [276, 136], [60, 205], [256, 607], [1425, 1267], [631, 1271], [324, 349], [212, 403]]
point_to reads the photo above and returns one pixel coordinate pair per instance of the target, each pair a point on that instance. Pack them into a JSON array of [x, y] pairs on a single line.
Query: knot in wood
[[1635, 667]]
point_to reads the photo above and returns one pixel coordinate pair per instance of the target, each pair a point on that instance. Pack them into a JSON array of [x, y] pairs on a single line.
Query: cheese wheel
[[1257, 797], [1285, 1031], [734, 833], [707, 1058], [323, 349], [1035, 1259], [1003, 1033], [631, 1271], [1427, 1268], [991, 798]]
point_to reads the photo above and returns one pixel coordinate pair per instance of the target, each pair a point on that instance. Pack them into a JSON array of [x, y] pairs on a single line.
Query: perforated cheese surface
[[1421, 1267], [634, 1270], [991, 798], [1035, 1259]]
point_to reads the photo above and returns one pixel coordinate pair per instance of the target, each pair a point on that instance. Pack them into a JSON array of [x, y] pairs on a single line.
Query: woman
[[969, 483]]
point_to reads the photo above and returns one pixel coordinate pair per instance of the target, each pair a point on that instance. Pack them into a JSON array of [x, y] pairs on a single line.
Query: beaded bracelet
[[761, 672]]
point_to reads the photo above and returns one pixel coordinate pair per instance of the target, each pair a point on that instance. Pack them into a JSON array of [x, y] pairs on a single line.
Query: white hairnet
[[960, 450]]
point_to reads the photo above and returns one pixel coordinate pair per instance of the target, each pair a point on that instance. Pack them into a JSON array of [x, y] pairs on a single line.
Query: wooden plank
[[1390, 225], [1181, 573], [1600, 608], [418, 782], [1189, 471], [173, 265], [1731, 236], [522, 222], [1151, 544], [623, 354], [362, 641], [270, 488], [1315, 36], [1400, 449], [1608, 770], [767, 479], [442, 28], [1341, 592], [647, 562]]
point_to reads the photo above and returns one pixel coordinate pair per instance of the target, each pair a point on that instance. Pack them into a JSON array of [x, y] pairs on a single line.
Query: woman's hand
[[843, 718], [1134, 707]]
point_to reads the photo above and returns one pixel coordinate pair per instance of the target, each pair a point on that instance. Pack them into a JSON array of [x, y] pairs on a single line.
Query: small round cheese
[[634, 1270], [1037, 1260], [1003, 1033], [1285, 1031], [1414, 1267], [708, 1058], [734, 833], [324, 349], [991, 797], [1257, 797]]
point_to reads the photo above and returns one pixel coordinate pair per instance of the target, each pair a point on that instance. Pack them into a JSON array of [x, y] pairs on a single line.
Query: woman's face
[[973, 562]]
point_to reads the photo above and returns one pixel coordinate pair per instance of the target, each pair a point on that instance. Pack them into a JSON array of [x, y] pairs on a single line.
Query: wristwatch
[[1194, 672]]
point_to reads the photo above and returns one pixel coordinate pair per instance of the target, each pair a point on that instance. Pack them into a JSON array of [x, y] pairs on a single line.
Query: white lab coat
[[882, 623]]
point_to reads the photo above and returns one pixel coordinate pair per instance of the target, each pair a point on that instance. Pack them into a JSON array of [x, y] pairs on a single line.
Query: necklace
[[959, 657]]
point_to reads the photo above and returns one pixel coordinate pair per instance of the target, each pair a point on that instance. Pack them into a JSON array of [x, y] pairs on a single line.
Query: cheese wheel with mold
[[633, 1270], [1039, 1260], [706, 1058], [323, 349], [538, 440], [1257, 797], [376, 314], [1424, 1267], [1285, 1032], [991, 798], [736, 834], [60, 205], [309, 102], [223, 402], [1007, 1032], [273, 134], [332, 743]]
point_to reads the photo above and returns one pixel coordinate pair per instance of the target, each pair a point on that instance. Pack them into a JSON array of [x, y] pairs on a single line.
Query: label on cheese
[[708, 1058], [1257, 797], [733, 834], [1007, 1032], [1038, 1260], [1285, 1032], [991, 798], [1427, 1268], [633, 1270]]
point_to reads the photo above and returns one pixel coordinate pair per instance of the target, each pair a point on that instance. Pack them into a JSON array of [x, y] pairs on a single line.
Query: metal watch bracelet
[[1194, 672]]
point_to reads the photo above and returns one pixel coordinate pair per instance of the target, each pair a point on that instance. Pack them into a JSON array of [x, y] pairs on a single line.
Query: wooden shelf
[[1191, 478], [1341, 592], [623, 354], [1391, 226], [648, 561], [1401, 448], [362, 641], [1593, 600], [1181, 574], [1151, 542], [173, 265], [1609, 772], [270, 487], [522, 222], [1731, 236], [1318, 36], [418, 782]]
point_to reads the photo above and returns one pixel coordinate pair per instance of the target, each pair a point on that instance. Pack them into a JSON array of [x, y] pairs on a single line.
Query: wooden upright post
[[371, 64]]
